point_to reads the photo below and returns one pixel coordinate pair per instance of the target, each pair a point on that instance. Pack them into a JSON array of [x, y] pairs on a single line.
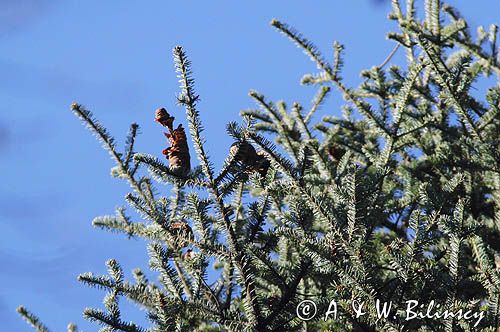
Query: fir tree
[[396, 200]]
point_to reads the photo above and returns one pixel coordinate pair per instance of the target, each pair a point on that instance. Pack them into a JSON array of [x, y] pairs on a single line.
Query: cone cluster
[[255, 161], [335, 153], [178, 152]]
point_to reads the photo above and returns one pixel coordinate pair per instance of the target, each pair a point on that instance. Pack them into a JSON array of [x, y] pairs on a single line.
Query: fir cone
[[162, 117], [262, 164], [253, 161], [178, 152], [181, 226], [335, 153], [189, 255], [183, 231], [244, 152]]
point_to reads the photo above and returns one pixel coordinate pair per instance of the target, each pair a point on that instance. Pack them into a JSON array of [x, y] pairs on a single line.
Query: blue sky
[[115, 58]]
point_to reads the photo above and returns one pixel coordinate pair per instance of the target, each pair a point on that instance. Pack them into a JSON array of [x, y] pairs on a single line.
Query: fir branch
[[102, 134], [478, 52], [489, 279], [159, 257], [257, 217], [317, 102], [435, 18], [115, 271], [312, 51], [107, 320], [129, 144], [230, 166], [185, 282], [290, 291], [284, 164], [72, 327], [231, 183], [157, 168], [389, 57], [351, 204], [456, 16], [396, 7], [405, 39], [189, 99], [308, 47], [143, 208], [277, 121], [256, 114], [443, 74], [31, 319], [100, 282], [338, 60], [310, 143], [363, 107], [405, 92], [97, 129]]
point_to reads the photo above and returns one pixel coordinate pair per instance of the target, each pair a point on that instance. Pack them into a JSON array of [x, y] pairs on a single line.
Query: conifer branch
[[310, 142], [108, 320], [97, 129], [108, 142], [389, 57], [32, 319], [129, 144], [277, 121], [404, 94], [479, 53], [313, 52], [189, 99], [317, 102], [338, 60], [308, 47], [72, 327], [443, 74]]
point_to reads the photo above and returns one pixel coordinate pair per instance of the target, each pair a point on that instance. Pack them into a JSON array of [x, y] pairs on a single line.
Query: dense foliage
[[396, 200]]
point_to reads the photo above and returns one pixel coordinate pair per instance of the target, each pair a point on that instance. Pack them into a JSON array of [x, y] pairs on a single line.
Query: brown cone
[[162, 117], [183, 233], [335, 153], [178, 152], [181, 226], [244, 152], [262, 164], [189, 255]]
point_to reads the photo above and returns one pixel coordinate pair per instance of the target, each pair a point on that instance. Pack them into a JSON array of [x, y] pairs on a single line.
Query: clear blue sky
[[115, 58]]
